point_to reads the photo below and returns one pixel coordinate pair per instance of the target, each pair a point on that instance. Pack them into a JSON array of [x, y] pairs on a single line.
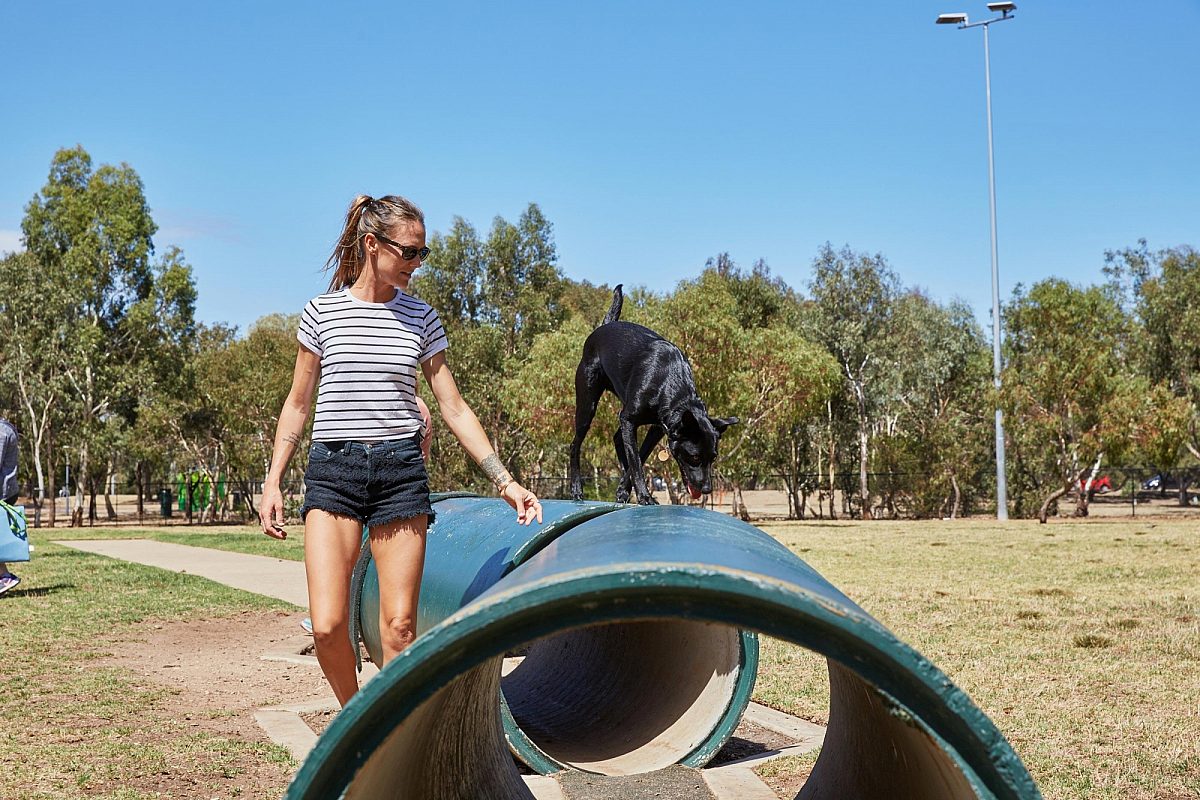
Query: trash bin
[[164, 503]]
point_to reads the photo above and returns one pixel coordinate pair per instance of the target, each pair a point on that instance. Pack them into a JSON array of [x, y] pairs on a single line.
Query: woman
[[363, 342]]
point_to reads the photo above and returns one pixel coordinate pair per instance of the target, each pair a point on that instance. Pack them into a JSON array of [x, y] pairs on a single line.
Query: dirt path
[[218, 679]]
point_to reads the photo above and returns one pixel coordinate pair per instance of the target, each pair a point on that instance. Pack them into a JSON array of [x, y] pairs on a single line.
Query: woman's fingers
[[525, 502], [267, 516], [531, 508]]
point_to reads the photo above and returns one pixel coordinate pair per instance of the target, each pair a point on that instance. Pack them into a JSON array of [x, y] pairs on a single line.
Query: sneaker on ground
[[306, 623], [7, 582]]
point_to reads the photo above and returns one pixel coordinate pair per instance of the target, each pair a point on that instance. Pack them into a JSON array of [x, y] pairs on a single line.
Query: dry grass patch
[[1082, 646]]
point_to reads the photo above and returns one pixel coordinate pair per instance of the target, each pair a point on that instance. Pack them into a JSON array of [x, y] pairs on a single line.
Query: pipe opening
[[628, 697]]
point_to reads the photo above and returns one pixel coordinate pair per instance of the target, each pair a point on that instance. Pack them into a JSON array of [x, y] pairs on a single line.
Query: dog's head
[[692, 438]]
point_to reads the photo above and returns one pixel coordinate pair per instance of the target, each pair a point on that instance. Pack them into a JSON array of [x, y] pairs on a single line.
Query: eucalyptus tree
[[1063, 380], [1163, 287], [498, 295], [781, 389], [932, 431], [34, 334], [851, 314], [90, 232]]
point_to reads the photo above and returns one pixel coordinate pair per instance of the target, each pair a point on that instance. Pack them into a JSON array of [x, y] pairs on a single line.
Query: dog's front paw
[[648, 500], [622, 495]]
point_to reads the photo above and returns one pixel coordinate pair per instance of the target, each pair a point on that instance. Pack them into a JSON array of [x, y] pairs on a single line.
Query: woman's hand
[[524, 501], [270, 512]]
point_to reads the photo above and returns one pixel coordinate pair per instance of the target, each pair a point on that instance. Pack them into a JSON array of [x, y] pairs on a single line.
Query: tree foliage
[[862, 397]]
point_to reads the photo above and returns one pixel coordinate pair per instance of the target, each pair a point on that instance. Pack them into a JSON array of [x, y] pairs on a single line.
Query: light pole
[[1005, 10]]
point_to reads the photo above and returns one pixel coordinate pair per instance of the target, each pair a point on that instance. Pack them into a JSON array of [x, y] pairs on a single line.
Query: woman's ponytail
[[366, 215]]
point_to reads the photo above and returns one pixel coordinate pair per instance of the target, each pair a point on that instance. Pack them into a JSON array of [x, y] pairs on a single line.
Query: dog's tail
[[614, 311]]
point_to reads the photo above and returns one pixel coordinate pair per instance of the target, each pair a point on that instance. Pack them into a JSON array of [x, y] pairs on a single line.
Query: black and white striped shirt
[[369, 358]]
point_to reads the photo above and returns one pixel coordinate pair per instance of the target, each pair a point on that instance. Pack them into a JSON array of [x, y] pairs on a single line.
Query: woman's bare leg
[[398, 549], [331, 545]]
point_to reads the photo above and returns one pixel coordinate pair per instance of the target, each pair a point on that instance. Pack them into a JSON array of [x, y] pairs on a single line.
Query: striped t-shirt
[[369, 358]]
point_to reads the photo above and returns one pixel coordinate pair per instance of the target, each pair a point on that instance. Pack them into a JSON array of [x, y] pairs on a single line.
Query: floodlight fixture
[[1002, 8], [952, 19]]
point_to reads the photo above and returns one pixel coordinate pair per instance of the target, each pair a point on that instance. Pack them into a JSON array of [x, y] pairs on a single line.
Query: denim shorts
[[373, 482]]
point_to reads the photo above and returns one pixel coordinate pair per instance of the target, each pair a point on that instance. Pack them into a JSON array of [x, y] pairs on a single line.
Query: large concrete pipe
[[429, 725], [613, 698]]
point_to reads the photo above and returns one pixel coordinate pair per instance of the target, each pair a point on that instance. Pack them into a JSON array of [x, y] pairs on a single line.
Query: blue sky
[[653, 135]]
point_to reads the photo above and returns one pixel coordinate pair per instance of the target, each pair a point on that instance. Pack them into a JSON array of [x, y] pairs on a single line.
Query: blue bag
[[14, 539]]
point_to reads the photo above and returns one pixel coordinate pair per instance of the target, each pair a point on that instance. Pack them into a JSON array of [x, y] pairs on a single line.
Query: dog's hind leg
[[588, 388], [619, 444]]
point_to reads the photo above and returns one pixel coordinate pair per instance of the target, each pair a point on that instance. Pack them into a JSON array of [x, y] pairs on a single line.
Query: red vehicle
[[1101, 485]]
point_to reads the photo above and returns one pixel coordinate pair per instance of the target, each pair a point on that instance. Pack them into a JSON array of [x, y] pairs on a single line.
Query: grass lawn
[[1081, 640], [74, 728]]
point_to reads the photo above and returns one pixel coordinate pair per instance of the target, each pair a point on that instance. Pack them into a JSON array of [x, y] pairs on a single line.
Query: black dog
[[654, 382]]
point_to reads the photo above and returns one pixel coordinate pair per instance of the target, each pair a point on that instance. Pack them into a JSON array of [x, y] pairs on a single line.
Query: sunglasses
[[407, 253]]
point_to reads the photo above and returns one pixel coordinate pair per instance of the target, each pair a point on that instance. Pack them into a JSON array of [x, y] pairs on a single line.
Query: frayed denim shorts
[[373, 482]]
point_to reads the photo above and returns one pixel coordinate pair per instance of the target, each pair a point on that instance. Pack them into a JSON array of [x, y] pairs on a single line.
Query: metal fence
[[1117, 491]]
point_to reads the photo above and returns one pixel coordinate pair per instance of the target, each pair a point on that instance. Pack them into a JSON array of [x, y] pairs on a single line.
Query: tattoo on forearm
[[292, 438], [495, 471]]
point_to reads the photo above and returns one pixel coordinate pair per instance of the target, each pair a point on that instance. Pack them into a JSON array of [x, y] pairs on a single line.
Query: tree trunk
[[80, 486], [139, 474], [51, 488], [832, 462], [1045, 510], [957, 497], [740, 504], [92, 515], [108, 491], [863, 441], [1072, 480], [1086, 491]]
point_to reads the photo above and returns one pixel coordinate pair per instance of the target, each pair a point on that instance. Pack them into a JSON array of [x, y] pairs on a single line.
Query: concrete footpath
[[273, 577], [284, 580]]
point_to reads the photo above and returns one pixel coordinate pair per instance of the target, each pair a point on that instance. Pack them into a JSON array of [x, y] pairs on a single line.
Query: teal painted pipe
[[428, 726], [472, 546]]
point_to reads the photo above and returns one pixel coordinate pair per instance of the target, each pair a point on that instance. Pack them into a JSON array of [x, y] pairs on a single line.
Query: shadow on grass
[[37, 591]]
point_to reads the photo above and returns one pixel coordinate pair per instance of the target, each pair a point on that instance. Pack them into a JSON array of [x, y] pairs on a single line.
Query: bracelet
[[500, 487]]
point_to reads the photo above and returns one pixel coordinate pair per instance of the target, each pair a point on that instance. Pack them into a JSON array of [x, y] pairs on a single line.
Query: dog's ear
[[721, 423], [672, 424], [689, 420]]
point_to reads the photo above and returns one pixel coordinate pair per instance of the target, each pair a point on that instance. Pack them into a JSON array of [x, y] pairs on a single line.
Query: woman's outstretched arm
[[288, 433], [463, 423]]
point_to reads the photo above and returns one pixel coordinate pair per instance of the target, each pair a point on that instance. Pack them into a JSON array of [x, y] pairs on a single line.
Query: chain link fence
[[1120, 491]]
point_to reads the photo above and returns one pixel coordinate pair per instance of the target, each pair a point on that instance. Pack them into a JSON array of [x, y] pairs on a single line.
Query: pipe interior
[[628, 697], [450, 748]]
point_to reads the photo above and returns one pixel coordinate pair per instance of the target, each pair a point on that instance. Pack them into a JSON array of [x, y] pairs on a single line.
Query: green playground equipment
[[619, 639]]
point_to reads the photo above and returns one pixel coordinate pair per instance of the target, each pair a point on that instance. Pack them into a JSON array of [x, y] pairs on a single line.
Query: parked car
[[1101, 485], [1160, 483]]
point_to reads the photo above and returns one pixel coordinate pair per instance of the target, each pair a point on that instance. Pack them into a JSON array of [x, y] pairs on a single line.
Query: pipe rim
[[623, 592]]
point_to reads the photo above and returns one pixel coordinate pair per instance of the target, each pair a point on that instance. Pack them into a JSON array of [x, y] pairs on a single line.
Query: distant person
[[8, 487], [360, 347]]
